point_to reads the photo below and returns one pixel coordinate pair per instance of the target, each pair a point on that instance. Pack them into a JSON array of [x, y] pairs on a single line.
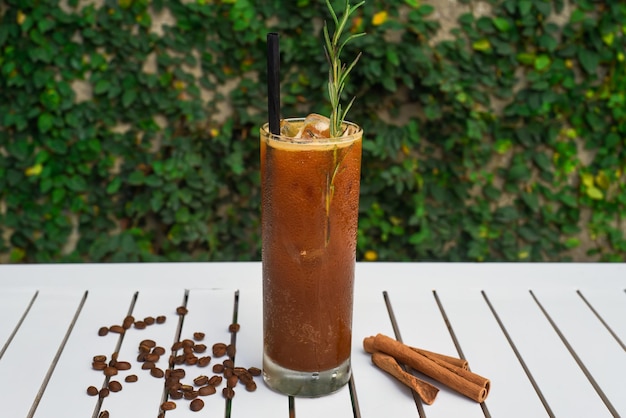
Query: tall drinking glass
[[310, 202]]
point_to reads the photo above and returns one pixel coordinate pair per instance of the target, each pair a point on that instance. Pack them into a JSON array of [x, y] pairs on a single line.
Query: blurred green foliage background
[[129, 128]]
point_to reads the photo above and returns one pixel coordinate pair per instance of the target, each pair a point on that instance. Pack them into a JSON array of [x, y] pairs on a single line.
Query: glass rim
[[265, 131]]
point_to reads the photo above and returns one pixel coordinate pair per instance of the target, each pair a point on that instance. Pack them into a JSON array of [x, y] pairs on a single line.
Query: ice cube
[[290, 130], [316, 126]]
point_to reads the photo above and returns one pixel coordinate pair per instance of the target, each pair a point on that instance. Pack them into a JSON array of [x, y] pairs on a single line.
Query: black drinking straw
[[273, 83]]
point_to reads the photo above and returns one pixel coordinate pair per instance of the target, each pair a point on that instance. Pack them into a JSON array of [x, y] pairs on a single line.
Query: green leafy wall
[[129, 128]]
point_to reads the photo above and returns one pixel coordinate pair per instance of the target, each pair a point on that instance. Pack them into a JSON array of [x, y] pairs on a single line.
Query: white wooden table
[[550, 337]]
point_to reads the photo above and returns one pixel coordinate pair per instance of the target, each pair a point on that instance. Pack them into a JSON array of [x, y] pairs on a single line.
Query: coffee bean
[[158, 351], [98, 365], [228, 372], [228, 393], [254, 371], [103, 393], [122, 365], [141, 357], [196, 405], [103, 331], [149, 320], [219, 349], [177, 346], [180, 373], [215, 380], [117, 329], [199, 348], [168, 406], [115, 386], [181, 310], [179, 360], [251, 386], [218, 368], [186, 388], [104, 414], [198, 336], [148, 343], [192, 394], [147, 365], [204, 361], [128, 322], [92, 391], [175, 394], [100, 358], [110, 371], [234, 327], [229, 364], [231, 350], [206, 390], [239, 371], [191, 360], [231, 382], [152, 357], [188, 343], [131, 378], [144, 349], [156, 372], [140, 325], [160, 319], [201, 380]]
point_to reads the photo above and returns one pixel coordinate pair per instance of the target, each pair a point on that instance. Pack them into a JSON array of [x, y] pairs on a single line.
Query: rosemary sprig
[[338, 72]]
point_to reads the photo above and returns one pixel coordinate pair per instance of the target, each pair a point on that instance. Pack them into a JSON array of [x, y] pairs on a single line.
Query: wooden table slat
[[489, 354], [591, 342]]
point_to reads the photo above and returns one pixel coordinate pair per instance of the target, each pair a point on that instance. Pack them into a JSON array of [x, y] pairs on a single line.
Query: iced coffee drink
[[310, 202]]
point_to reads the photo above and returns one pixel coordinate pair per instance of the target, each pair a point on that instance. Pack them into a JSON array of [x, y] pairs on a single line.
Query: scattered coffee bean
[[254, 371], [160, 319], [117, 329], [204, 361], [179, 373], [175, 394], [187, 343], [219, 349], [215, 380], [122, 365], [191, 360], [103, 331], [92, 391], [234, 327], [251, 386], [110, 371], [196, 405], [149, 320], [201, 380], [148, 343], [98, 365], [206, 390], [148, 365], [128, 322], [199, 348], [189, 395], [218, 368], [231, 382], [231, 350], [115, 386], [228, 363], [156, 372], [100, 358], [168, 406], [158, 351], [181, 310], [131, 378], [103, 393], [140, 325], [152, 357], [228, 393], [177, 346], [198, 336], [186, 388], [104, 414]]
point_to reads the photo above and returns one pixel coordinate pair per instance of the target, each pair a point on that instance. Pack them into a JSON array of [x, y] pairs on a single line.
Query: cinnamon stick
[[425, 390], [463, 381], [368, 345]]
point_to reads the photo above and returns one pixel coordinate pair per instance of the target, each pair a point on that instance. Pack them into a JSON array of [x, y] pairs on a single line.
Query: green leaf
[[425, 9], [45, 122], [129, 97], [502, 24], [114, 185], [524, 7], [101, 86], [482, 45], [595, 193], [76, 184], [542, 62], [589, 60]]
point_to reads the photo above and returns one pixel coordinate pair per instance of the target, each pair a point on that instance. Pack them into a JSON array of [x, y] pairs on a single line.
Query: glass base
[[305, 384]]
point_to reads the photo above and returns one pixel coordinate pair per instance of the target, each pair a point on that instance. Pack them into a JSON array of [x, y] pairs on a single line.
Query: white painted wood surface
[[515, 345]]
